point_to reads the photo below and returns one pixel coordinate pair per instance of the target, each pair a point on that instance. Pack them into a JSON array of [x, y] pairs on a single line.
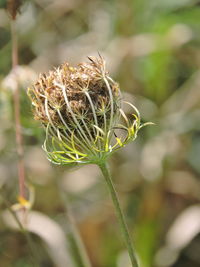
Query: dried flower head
[[13, 7], [80, 107]]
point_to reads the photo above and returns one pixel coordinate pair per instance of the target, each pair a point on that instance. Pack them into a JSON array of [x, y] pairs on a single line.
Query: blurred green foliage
[[152, 50]]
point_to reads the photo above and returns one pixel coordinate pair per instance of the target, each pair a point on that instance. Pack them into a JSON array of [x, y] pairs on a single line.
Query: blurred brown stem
[[18, 133]]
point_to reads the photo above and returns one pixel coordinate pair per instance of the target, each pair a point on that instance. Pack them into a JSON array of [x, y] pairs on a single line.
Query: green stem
[[76, 244], [104, 168], [33, 251]]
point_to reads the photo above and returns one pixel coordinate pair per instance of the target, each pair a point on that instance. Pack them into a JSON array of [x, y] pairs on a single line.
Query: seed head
[[80, 108], [13, 7]]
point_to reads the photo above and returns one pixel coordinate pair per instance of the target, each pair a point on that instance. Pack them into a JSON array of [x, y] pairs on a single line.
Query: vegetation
[[152, 51]]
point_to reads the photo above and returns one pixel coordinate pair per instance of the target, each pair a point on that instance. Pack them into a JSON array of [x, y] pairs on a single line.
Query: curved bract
[[81, 109]]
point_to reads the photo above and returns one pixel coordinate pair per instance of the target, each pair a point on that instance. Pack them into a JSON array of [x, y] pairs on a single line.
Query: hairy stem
[[18, 133], [104, 168]]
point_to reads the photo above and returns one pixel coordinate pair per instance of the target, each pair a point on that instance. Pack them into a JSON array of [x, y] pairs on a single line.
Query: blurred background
[[152, 50]]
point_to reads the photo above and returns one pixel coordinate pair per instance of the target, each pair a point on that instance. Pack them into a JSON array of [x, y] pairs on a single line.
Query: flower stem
[[76, 244], [104, 168], [33, 250], [18, 133]]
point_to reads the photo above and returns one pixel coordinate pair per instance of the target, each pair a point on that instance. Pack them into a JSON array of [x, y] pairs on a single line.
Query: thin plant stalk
[[18, 133], [33, 250], [76, 244], [104, 169], [19, 143]]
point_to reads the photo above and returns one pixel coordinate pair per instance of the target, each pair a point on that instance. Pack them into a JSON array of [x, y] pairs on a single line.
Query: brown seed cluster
[[75, 92], [13, 7]]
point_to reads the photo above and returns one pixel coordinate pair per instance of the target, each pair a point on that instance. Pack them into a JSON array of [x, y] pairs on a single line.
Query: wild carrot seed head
[[80, 107]]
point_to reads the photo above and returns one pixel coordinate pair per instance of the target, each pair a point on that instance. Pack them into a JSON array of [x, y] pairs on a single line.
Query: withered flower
[[80, 107], [13, 7]]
